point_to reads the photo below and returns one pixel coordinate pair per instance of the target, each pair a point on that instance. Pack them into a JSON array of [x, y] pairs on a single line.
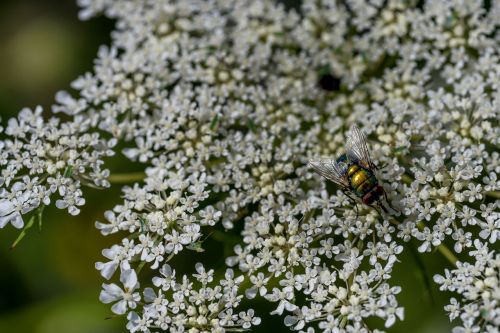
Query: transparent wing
[[356, 148], [331, 170]]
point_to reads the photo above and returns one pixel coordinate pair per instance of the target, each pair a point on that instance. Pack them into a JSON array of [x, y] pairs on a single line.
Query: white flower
[[283, 297], [203, 276], [210, 216], [10, 213], [108, 228], [248, 319], [126, 297], [109, 268], [490, 228]]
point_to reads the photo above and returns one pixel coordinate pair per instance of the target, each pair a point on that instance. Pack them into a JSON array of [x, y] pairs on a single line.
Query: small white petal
[[110, 293], [120, 307], [107, 269], [4, 220], [6, 207], [251, 292], [17, 221], [149, 295], [129, 279]]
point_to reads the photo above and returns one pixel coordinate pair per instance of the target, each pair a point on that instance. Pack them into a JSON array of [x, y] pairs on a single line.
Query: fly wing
[[356, 148], [331, 170]]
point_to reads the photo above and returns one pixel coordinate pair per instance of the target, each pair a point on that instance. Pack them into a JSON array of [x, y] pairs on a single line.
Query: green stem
[[447, 254], [140, 267], [343, 322], [124, 178], [407, 179], [493, 194]]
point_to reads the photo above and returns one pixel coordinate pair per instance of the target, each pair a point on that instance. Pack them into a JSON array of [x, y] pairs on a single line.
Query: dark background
[[48, 282]]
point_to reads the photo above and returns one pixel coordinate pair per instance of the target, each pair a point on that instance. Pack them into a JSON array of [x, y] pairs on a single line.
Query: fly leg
[[389, 204], [353, 201], [383, 208], [378, 208], [376, 167]]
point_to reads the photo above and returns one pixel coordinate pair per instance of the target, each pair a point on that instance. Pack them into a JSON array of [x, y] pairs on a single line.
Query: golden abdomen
[[362, 181], [352, 170], [359, 177]]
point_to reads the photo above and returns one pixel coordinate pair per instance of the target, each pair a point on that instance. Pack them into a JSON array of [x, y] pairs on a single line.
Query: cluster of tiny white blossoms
[[180, 304], [165, 215], [224, 102], [478, 285], [42, 157]]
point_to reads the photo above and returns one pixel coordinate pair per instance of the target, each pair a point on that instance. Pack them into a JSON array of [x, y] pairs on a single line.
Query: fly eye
[[329, 82]]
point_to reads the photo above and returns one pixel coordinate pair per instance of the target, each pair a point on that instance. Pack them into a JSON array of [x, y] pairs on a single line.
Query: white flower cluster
[[478, 285], [40, 158], [224, 102], [304, 259], [448, 166], [164, 217], [177, 305]]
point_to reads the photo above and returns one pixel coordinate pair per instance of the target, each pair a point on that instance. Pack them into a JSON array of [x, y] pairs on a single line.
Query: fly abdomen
[[362, 180]]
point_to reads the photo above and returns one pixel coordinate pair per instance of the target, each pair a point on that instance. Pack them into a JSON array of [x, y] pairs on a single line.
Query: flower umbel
[[223, 103]]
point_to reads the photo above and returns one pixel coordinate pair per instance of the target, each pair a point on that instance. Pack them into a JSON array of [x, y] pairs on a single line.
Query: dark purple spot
[[329, 82]]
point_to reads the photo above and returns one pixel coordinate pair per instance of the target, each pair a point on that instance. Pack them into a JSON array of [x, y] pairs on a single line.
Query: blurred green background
[[48, 282]]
